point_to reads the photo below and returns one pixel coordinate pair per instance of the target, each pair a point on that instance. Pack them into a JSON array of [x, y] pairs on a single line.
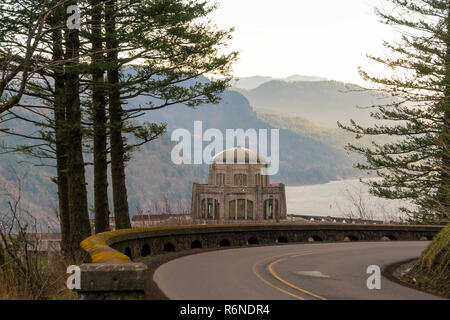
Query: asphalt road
[[286, 272]]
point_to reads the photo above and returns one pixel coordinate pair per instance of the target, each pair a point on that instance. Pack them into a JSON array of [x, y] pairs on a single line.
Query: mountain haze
[[249, 83], [321, 102], [151, 175]]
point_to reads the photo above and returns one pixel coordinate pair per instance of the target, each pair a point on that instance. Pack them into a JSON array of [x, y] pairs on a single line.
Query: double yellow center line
[[271, 269], [276, 276]]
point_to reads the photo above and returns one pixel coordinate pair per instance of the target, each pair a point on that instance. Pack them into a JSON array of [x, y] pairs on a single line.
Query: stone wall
[[114, 275]]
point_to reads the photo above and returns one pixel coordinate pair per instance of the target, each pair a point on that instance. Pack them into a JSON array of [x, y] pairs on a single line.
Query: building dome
[[238, 155], [238, 189]]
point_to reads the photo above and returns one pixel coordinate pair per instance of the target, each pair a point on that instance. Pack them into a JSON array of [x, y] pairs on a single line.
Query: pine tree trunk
[[2, 257], [120, 199], [100, 136], [78, 205], [61, 140], [445, 199]]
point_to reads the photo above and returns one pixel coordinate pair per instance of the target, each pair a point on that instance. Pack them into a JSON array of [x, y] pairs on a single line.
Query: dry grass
[[44, 279], [27, 271]]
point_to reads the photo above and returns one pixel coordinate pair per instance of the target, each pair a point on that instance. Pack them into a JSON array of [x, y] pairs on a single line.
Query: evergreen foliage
[[415, 166]]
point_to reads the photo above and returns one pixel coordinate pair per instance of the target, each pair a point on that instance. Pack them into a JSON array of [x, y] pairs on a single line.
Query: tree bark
[[2, 257], [120, 199], [78, 205], [445, 198], [60, 134], [101, 204]]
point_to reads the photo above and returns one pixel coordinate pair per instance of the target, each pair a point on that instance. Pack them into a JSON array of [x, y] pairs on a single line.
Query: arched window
[[240, 180], [220, 179], [257, 179], [232, 210], [241, 209], [276, 212], [270, 209], [216, 209], [249, 210], [203, 209], [210, 209]]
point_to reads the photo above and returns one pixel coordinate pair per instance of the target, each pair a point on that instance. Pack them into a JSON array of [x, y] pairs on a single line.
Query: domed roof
[[238, 155]]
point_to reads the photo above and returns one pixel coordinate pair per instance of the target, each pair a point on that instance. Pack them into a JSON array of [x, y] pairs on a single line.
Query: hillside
[[249, 83], [305, 158], [33, 184], [321, 102], [432, 271], [335, 138]]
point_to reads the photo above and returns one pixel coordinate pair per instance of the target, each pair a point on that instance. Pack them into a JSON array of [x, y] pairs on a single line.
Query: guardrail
[[113, 274]]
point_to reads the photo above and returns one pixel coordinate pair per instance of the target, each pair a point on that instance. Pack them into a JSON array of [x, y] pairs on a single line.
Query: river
[[337, 199]]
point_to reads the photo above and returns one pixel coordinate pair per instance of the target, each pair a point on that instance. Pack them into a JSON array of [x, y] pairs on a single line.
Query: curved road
[[298, 271]]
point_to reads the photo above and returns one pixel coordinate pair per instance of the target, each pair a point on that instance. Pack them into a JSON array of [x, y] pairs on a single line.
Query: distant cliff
[[321, 102], [151, 175]]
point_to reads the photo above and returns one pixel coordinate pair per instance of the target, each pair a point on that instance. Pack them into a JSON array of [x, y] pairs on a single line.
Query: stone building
[[237, 190]]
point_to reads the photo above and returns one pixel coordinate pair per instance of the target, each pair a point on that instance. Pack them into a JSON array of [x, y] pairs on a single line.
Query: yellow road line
[[290, 256], [274, 286], [276, 276]]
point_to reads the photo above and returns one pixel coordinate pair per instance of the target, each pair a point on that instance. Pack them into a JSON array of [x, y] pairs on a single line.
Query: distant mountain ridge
[[304, 159], [307, 154], [249, 83], [321, 102], [151, 175]]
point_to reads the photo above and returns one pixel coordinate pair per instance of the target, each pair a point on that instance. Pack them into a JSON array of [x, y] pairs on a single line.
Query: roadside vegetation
[[32, 277], [415, 164], [30, 267], [432, 272]]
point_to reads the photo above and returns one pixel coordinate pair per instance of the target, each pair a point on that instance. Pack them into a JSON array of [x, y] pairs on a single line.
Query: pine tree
[[78, 203], [157, 49], [50, 121], [120, 198], [160, 50], [415, 165], [57, 19], [16, 66], [101, 205]]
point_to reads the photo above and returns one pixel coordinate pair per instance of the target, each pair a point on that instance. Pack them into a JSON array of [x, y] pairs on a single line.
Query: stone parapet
[[117, 281], [114, 275]]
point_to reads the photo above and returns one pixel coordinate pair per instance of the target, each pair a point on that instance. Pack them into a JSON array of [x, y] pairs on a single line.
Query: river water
[[337, 199]]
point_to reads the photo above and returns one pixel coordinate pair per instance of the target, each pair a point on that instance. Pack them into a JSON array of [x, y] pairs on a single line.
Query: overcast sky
[[328, 38]]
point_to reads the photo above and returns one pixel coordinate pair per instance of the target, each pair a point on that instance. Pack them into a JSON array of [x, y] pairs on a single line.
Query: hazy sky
[[328, 38]]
